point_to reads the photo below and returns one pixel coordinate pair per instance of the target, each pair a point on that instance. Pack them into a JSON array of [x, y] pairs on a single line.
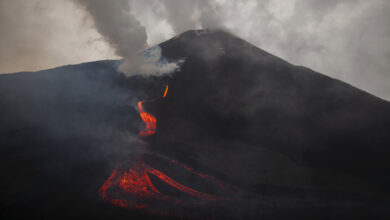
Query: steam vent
[[236, 133]]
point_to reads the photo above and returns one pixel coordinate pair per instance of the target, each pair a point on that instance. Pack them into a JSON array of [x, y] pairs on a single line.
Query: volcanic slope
[[287, 141]]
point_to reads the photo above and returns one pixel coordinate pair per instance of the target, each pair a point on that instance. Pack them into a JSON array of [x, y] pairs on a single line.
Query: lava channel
[[132, 188]]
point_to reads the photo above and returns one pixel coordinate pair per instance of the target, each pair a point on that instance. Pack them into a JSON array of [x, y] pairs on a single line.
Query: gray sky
[[345, 39]]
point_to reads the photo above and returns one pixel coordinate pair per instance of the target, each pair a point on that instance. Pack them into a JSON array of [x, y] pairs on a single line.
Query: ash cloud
[[121, 29], [154, 64], [183, 15]]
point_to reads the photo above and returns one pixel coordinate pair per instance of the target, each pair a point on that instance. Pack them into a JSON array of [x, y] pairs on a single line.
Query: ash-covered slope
[[266, 125], [232, 90], [61, 132], [290, 142]]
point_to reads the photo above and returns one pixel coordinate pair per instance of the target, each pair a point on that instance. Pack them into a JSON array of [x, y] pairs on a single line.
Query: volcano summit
[[235, 133]]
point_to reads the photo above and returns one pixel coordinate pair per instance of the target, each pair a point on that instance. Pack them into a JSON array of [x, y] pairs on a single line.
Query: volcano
[[236, 133]]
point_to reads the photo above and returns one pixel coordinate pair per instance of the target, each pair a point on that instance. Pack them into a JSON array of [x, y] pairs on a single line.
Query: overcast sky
[[345, 39]]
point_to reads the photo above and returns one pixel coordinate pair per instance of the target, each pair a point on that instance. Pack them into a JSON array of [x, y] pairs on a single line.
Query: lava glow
[[149, 120], [165, 92], [133, 188]]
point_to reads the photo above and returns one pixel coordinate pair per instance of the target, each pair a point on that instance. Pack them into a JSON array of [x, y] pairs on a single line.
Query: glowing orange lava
[[165, 92], [179, 186], [149, 120], [133, 188]]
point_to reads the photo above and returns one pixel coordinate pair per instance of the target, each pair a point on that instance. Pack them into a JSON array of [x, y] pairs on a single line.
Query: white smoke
[[192, 14], [151, 63], [119, 27]]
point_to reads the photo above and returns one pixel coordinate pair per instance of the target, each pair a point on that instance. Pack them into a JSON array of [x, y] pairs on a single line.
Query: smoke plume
[[192, 14], [120, 28]]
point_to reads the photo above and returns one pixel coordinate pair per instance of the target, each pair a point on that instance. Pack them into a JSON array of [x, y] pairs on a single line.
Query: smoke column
[[192, 14], [119, 27]]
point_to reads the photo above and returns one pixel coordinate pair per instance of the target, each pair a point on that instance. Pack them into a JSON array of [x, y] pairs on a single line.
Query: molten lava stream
[[165, 92], [134, 185], [149, 120]]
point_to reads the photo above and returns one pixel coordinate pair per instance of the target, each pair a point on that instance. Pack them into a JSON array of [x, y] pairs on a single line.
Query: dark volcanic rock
[[289, 142], [230, 91]]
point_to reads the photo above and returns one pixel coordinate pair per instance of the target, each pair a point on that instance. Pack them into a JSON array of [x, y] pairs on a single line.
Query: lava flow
[[149, 120], [132, 188], [165, 92]]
